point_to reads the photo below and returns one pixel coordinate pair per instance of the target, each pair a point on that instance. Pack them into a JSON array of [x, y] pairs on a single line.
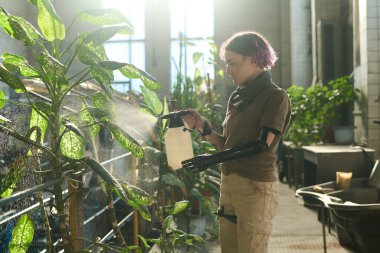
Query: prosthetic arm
[[202, 162]]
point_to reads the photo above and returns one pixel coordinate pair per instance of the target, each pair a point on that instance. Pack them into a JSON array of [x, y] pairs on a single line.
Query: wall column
[[301, 46]]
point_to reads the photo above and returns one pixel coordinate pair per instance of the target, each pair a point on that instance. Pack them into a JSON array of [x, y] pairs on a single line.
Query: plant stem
[[45, 221], [112, 216], [55, 124], [66, 49]]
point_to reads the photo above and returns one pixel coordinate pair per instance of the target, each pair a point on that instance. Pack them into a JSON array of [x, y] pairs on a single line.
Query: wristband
[[206, 129]]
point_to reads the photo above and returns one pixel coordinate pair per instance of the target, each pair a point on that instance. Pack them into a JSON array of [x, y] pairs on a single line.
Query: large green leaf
[[49, 22], [104, 78], [125, 140], [8, 182], [149, 81], [86, 116], [54, 69], [22, 235], [138, 195], [18, 63], [167, 224], [179, 207], [152, 100], [2, 99], [4, 23], [90, 54], [131, 71], [103, 34], [23, 30], [37, 120], [7, 192], [71, 145], [139, 200], [106, 106], [105, 175], [104, 17], [114, 65], [11, 80]]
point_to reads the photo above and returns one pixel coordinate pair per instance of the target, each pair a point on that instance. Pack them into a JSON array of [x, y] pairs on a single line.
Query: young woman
[[257, 115]]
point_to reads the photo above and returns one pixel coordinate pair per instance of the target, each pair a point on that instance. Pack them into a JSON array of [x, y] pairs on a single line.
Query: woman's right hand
[[193, 120]]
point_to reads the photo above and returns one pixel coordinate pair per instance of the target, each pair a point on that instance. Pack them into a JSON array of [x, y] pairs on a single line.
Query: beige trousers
[[254, 203]]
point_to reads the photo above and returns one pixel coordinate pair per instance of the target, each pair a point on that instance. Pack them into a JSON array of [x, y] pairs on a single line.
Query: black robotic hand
[[198, 163], [202, 162]]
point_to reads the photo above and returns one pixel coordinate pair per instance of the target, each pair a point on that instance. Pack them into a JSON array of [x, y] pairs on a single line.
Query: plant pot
[[344, 134]]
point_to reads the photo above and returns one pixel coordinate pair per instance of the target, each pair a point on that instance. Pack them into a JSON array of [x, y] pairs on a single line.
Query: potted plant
[[67, 134], [314, 111]]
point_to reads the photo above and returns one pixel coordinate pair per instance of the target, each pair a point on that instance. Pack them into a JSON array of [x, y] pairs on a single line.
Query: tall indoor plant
[[67, 134]]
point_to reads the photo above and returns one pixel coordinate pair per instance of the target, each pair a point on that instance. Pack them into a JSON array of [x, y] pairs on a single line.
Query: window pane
[[174, 61], [177, 17], [199, 19], [203, 65], [118, 51], [134, 10], [138, 59], [128, 48], [195, 19]]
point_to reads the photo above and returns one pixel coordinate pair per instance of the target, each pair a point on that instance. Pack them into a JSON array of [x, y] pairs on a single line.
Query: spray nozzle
[[175, 114], [175, 118]]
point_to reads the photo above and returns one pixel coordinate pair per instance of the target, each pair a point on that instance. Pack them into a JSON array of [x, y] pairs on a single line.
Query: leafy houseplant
[[315, 108], [183, 184], [170, 236], [67, 134], [189, 92]]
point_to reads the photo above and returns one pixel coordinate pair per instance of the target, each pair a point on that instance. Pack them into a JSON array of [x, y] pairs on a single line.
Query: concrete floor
[[296, 229]]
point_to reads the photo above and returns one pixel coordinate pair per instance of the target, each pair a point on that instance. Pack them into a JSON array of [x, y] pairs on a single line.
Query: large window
[[128, 48], [194, 21]]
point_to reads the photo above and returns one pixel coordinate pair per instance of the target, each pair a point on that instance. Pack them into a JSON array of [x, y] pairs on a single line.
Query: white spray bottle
[[178, 143]]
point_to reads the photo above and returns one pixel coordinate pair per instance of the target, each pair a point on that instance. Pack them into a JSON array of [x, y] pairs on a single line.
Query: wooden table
[[322, 162]]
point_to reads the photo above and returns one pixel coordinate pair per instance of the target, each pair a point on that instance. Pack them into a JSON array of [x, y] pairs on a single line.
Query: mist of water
[[137, 123]]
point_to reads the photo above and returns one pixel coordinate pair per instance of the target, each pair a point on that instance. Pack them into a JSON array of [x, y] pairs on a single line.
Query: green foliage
[[22, 235], [315, 108], [152, 101], [138, 199], [179, 207], [125, 140], [104, 17], [68, 133], [8, 183], [2, 99], [48, 21], [171, 237], [38, 119]]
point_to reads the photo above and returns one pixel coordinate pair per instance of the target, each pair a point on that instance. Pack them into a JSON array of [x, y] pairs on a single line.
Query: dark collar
[[242, 97]]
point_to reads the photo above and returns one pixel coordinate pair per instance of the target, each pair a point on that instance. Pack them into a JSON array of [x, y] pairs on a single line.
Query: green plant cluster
[[58, 137], [201, 189], [315, 108]]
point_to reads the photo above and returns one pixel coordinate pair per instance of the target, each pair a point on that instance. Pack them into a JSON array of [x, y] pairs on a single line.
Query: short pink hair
[[250, 43]]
